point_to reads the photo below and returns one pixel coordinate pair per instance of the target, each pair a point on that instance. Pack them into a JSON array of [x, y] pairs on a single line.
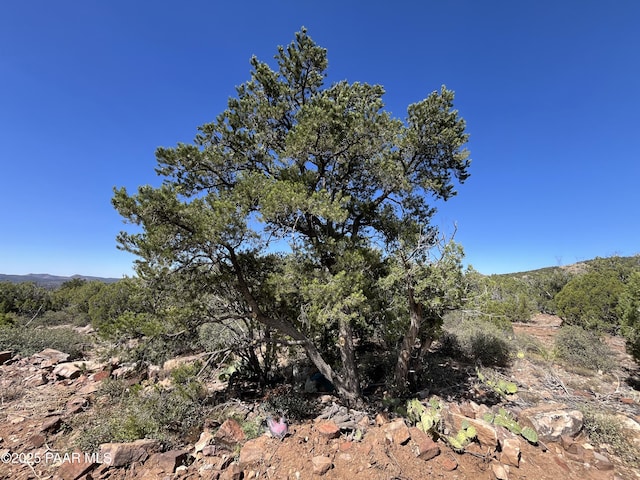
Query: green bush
[[590, 300], [578, 347], [604, 428], [24, 299], [545, 284], [500, 298], [7, 320], [528, 344], [158, 349], [130, 413], [629, 309], [52, 318], [26, 341], [478, 340]]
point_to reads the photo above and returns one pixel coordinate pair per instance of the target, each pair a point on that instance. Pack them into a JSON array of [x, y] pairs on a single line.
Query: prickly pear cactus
[[464, 436], [505, 419], [426, 418]]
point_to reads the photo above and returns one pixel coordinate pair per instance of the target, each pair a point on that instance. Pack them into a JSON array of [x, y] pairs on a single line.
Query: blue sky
[[550, 91]]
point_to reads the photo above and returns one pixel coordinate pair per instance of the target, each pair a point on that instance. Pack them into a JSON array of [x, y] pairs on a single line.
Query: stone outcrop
[[49, 357], [122, 454], [552, 421]]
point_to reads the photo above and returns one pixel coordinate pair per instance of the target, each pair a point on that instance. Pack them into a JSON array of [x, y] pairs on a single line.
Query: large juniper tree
[[323, 170]]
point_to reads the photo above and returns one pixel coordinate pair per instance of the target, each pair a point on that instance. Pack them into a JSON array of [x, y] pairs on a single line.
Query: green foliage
[[528, 344], [252, 428], [621, 267], [26, 341], [629, 312], [127, 413], [7, 320], [156, 349], [185, 373], [23, 299], [113, 390], [501, 299], [213, 337], [505, 419], [578, 347], [605, 428], [499, 385], [463, 437], [322, 169], [74, 297], [118, 310], [529, 434], [427, 418], [477, 340], [544, 285], [590, 300]]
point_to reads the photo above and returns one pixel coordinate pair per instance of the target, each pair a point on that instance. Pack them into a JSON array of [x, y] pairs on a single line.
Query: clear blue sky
[[550, 91]]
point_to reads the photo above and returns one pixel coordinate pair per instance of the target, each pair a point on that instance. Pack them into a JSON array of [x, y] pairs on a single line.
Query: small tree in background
[[545, 285], [629, 309], [323, 173], [499, 299], [590, 300]]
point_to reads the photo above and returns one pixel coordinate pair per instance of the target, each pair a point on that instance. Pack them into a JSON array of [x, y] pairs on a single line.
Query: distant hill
[[50, 281], [575, 268]]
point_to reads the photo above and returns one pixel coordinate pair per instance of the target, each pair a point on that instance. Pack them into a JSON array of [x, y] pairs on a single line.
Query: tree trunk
[[346, 388], [347, 355], [408, 342]]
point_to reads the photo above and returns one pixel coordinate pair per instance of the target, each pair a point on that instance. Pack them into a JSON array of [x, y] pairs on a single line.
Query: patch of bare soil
[[38, 404]]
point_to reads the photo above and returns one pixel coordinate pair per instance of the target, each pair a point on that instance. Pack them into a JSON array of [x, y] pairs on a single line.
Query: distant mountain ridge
[[51, 281]]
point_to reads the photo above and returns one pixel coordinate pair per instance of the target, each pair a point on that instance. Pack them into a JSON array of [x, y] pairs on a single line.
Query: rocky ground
[[42, 395]]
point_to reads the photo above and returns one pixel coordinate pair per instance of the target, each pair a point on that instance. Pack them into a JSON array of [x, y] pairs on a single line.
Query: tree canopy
[[324, 174]]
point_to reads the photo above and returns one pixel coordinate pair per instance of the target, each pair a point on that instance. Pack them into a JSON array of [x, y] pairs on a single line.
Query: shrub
[[7, 320], [629, 308], [578, 347], [590, 300], [52, 318], [295, 405], [545, 284], [501, 298], [478, 340], [157, 349], [605, 428], [113, 390], [127, 414], [27, 341], [528, 344]]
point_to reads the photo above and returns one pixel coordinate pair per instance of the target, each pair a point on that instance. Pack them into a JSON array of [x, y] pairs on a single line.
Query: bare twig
[[34, 317], [226, 351]]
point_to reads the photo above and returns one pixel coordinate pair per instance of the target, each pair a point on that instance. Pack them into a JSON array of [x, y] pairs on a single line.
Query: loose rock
[[397, 432], [328, 429], [321, 464], [121, 454], [230, 434], [510, 452], [425, 447]]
